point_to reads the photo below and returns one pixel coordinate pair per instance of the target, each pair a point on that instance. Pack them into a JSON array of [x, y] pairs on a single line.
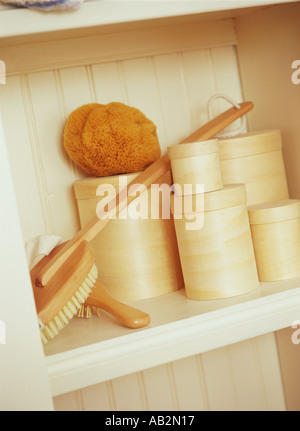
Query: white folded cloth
[[41, 245]]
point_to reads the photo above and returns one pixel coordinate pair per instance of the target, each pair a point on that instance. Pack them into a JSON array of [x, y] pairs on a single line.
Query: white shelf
[[16, 22], [91, 351]]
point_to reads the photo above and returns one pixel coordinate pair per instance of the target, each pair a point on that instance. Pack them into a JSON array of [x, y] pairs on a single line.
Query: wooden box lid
[[250, 144], [227, 197], [273, 212], [193, 149]]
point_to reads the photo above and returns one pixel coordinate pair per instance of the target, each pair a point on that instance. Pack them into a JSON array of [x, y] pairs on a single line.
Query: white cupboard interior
[[166, 59]]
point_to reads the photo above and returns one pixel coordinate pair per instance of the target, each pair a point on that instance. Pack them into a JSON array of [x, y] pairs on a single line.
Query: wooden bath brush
[[73, 291], [68, 289]]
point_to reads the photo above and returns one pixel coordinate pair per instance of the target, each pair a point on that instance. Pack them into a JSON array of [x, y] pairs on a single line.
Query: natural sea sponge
[[110, 139]]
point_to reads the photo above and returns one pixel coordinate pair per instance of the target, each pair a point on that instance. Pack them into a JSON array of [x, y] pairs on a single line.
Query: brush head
[[60, 299]]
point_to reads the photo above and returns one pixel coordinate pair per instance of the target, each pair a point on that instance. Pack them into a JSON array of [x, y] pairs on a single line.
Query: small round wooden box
[[255, 159], [217, 256], [275, 231], [136, 258], [195, 163]]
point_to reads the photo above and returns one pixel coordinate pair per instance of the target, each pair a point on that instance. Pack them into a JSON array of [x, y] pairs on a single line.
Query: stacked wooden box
[[256, 159], [249, 230]]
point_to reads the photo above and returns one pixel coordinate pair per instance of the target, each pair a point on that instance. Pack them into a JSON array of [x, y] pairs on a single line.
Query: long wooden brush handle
[[149, 176]]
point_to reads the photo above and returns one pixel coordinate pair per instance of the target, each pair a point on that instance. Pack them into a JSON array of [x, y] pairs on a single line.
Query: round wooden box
[[136, 258], [195, 163], [275, 229], [255, 159], [218, 258]]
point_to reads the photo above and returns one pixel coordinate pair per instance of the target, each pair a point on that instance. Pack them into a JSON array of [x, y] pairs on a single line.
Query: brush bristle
[[49, 331], [87, 311]]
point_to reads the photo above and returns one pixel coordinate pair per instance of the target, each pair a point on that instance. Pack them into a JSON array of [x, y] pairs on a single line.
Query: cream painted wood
[[267, 350], [98, 397], [13, 95], [255, 159], [99, 13], [195, 164], [215, 247], [204, 68], [23, 375], [123, 44], [257, 48], [133, 385], [190, 384], [243, 376], [289, 357], [93, 351]]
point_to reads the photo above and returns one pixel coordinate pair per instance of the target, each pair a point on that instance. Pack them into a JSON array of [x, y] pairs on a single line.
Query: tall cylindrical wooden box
[[217, 258], [255, 159], [275, 231], [195, 163], [136, 258]]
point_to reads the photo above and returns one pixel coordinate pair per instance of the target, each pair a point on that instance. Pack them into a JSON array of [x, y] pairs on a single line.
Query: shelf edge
[[21, 22], [114, 358]]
